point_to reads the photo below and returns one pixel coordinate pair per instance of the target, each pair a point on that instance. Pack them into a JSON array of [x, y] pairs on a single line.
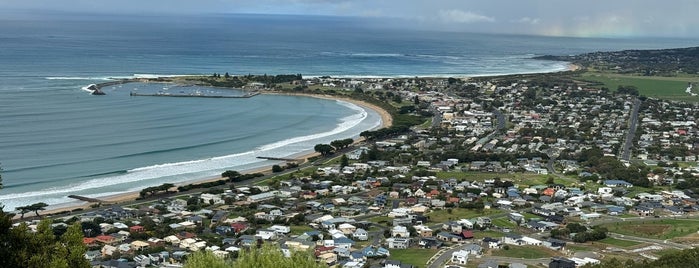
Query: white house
[[459, 257], [400, 231]]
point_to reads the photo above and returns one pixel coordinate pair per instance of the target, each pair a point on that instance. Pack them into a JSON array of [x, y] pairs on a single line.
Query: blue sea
[[57, 140]]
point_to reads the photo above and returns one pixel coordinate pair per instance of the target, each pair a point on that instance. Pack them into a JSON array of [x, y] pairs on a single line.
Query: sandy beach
[[386, 121]]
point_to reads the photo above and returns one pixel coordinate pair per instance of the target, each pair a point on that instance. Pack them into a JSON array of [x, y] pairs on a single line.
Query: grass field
[[650, 86], [657, 229], [519, 178], [504, 222], [619, 242], [525, 252], [414, 256], [484, 234], [439, 216], [300, 229]]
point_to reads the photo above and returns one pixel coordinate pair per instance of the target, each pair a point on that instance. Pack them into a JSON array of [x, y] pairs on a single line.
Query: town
[[540, 170]]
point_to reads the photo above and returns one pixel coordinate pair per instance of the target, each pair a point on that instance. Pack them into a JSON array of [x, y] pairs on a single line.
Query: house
[[459, 257], [560, 262], [328, 258], [396, 264], [106, 239], [400, 231], [347, 228], [513, 239], [423, 231], [444, 236], [492, 242], [473, 249], [430, 242], [266, 234], [343, 242], [280, 229], [554, 244], [396, 242], [617, 183], [361, 234]]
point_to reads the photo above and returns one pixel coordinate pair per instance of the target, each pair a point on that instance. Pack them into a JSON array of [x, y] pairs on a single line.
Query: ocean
[[57, 140]]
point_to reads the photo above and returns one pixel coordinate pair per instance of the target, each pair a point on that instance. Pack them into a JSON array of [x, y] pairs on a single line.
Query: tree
[[277, 168], [38, 206], [266, 255], [230, 174], [206, 259], [324, 149], [23, 210], [20, 247], [344, 161]]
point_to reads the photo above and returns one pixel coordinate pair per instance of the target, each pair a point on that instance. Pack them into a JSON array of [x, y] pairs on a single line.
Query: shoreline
[[301, 157]]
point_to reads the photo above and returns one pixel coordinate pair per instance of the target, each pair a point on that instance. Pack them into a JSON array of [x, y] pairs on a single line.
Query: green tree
[[206, 259], [324, 149], [277, 168], [19, 247], [268, 255], [23, 210], [38, 206], [230, 174], [344, 161]]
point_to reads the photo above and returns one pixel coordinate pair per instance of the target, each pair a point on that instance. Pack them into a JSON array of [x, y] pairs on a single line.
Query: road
[[501, 120], [633, 123]]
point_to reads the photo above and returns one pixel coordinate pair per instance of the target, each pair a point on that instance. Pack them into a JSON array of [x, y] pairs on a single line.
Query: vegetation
[[688, 258], [19, 247], [414, 256], [619, 242], [150, 191], [324, 149], [657, 229], [268, 255]]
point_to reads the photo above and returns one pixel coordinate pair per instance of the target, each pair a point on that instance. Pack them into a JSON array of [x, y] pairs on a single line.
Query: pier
[[86, 199], [278, 158], [248, 95]]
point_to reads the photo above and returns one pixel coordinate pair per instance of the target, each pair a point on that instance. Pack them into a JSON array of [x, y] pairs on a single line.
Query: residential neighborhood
[[508, 172]]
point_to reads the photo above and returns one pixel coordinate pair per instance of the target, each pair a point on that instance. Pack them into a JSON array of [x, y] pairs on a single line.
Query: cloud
[[528, 20], [460, 16]]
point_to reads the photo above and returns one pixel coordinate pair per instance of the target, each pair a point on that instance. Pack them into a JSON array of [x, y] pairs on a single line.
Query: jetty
[[160, 94], [278, 158], [86, 199]]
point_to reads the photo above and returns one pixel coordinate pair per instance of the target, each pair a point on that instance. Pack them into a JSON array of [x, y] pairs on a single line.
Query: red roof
[[137, 228], [105, 238], [88, 240], [467, 234]]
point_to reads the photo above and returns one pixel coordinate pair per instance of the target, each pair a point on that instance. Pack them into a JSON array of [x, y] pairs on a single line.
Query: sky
[[579, 18]]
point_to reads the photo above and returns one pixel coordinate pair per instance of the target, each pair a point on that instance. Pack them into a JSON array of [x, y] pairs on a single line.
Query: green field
[[300, 229], [620, 242], [504, 223], [650, 86], [519, 178], [414, 256], [657, 229], [525, 252], [484, 234], [439, 216]]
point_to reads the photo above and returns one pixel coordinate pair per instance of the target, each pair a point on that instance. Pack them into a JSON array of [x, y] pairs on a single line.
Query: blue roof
[[343, 240]]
